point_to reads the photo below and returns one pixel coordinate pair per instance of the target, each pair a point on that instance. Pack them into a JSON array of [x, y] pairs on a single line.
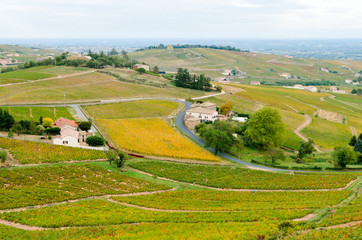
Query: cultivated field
[[153, 137], [34, 113]]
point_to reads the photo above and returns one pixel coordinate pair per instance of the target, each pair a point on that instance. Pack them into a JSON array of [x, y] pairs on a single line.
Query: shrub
[[94, 141], [358, 146], [10, 134], [85, 126], [140, 70], [47, 122], [343, 156], [3, 155], [353, 141], [39, 129], [52, 131]]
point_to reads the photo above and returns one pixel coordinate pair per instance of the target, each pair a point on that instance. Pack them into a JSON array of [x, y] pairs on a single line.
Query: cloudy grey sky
[[180, 19]]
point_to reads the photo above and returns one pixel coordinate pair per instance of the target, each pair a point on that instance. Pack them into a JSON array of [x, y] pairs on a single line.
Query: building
[[240, 119], [69, 133], [355, 83], [227, 72], [200, 112], [286, 75], [136, 66], [324, 70], [333, 89], [298, 86], [311, 89], [254, 83], [349, 81]]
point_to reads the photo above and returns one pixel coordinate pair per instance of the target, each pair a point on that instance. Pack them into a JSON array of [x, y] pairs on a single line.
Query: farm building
[[298, 86], [69, 134], [286, 75], [136, 66], [311, 89], [333, 89], [349, 81], [254, 83], [324, 70], [200, 112]]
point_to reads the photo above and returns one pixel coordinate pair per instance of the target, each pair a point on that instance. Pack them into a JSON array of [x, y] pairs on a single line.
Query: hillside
[[256, 66], [24, 54]]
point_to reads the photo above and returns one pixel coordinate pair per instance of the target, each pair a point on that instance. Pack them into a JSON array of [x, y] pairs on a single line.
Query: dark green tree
[[141, 70], [156, 69], [125, 55], [113, 52], [85, 126], [306, 148], [94, 141], [358, 146], [6, 120], [353, 141]]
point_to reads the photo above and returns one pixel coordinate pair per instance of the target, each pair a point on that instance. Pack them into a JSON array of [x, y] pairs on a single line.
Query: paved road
[[181, 125]]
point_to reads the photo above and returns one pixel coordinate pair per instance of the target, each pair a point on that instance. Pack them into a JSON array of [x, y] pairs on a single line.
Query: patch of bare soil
[[330, 116]]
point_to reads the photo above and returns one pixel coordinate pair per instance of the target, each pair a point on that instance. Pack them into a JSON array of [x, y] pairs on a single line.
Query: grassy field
[[24, 75], [328, 134], [239, 178], [153, 137], [26, 152], [34, 113], [48, 184], [132, 109], [85, 88]]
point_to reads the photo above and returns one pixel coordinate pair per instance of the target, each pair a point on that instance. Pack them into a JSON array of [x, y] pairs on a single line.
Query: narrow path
[[247, 190], [297, 130], [305, 218], [350, 224], [213, 95], [353, 131]]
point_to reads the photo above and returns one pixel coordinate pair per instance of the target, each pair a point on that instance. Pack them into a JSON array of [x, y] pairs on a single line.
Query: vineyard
[[153, 137], [162, 231], [132, 109], [102, 212], [34, 113], [64, 182], [241, 178], [27, 152], [207, 200]]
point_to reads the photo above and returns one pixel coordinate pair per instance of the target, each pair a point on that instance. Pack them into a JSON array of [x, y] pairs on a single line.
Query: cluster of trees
[[98, 60], [185, 80], [117, 157], [357, 91], [95, 141], [306, 83], [162, 46]]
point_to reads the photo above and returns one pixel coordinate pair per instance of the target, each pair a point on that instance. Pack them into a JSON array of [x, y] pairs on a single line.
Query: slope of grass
[[34, 113]]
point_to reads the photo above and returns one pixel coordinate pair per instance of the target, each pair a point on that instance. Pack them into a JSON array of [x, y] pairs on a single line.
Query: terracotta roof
[[63, 121]]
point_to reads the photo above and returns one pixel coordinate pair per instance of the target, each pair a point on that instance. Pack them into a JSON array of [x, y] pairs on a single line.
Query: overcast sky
[[181, 19]]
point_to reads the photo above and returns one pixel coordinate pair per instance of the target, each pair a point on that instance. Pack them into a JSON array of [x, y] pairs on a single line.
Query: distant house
[[349, 81], [200, 112], [227, 72], [298, 86], [324, 70], [222, 79], [286, 75], [311, 89], [333, 89], [254, 83], [136, 66], [355, 83], [357, 74]]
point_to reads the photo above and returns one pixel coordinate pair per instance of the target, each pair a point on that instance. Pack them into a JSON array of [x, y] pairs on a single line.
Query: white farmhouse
[[200, 113], [68, 137], [311, 89], [349, 81]]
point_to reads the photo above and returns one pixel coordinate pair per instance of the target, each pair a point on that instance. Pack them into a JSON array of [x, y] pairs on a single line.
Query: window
[[65, 142]]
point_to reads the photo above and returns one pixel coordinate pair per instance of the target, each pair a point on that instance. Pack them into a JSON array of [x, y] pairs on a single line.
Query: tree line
[[162, 46]]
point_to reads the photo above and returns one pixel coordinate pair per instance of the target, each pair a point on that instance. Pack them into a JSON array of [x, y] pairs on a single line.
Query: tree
[[358, 146], [52, 131], [265, 129], [343, 156], [306, 148], [118, 157], [276, 154], [156, 69], [353, 141], [218, 88], [226, 107], [140, 70], [85, 126], [6, 120], [218, 135], [113, 52], [94, 141], [41, 120], [3, 155], [47, 122], [124, 55]]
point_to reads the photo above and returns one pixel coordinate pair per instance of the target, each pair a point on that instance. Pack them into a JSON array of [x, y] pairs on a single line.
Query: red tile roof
[[63, 121]]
